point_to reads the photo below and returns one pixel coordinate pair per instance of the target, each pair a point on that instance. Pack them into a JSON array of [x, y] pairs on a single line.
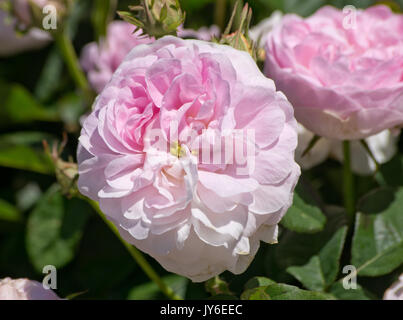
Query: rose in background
[[24, 289], [262, 29], [197, 219], [99, 61], [344, 81], [382, 145], [13, 43]]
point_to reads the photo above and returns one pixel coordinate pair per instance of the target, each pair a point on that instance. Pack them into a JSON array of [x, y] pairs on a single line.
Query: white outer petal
[[382, 145]]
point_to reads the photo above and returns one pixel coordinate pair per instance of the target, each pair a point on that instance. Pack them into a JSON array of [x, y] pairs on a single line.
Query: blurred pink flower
[[25, 289], [22, 9], [11, 43], [344, 76], [101, 60], [258, 32], [154, 154]]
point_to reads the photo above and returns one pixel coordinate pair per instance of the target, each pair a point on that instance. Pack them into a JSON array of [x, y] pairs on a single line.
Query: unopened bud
[[239, 39], [66, 171], [157, 18]]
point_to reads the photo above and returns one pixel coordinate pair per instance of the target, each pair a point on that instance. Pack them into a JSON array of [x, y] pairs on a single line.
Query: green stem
[[220, 13], [348, 181], [371, 154], [73, 66], [137, 256]]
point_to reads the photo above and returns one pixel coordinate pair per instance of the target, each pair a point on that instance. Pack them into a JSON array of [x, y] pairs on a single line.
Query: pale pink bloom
[[344, 80], [141, 155], [101, 60], [258, 32], [383, 146], [11, 43], [203, 33], [25, 289], [395, 292]]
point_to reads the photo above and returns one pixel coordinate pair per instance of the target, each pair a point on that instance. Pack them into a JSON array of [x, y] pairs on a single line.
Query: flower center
[[177, 150]]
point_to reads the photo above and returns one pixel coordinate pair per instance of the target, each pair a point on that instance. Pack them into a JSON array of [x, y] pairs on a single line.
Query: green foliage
[[341, 293], [8, 212], [17, 150], [280, 291], [215, 286], [150, 290], [322, 269], [296, 248], [54, 229], [304, 216], [19, 106], [258, 282], [378, 235]]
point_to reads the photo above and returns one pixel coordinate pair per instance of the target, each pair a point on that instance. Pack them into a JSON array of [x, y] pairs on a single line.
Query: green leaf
[[303, 8], [8, 212], [54, 229], [150, 290], [258, 293], [304, 216], [339, 292], [19, 106], [71, 107], [130, 18], [322, 269], [50, 77], [391, 173], [16, 152], [258, 282], [295, 249], [216, 286], [310, 274], [102, 13], [378, 236], [223, 297], [102, 263], [280, 291], [193, 5]]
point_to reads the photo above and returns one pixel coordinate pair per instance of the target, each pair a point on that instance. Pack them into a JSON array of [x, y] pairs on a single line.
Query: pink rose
[[101, 60], [24, 289], [259, 31], [344, 76], [189, 151]]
